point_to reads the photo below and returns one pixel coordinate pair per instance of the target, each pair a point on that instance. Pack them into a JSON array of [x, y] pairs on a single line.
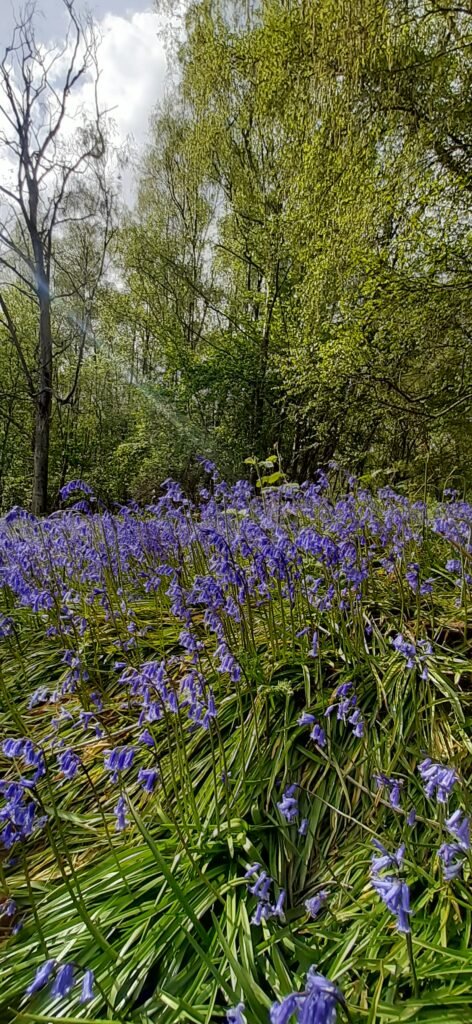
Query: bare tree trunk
[[44, 398]]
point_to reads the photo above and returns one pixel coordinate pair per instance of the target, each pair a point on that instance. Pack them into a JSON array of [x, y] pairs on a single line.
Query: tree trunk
[[43, 401]]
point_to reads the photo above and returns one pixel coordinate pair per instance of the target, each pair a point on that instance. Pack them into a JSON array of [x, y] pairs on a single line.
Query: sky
[[132, 59]]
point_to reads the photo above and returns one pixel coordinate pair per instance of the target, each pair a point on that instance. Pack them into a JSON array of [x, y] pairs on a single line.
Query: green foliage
[[296, 273]]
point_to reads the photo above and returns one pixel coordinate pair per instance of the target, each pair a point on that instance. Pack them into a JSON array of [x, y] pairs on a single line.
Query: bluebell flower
[[305, 718], [148, 777], [302, 831], [396, 896], [87, 987], [41, 977], [459, 826], [8, 908], [288, 805], [118, 760], [318, 735], [252, 869], [439, 780], [278, 910], [386, 859], [63, 981], [73, 487], [407, 649], [120, 813], [68, 763], [261, 886], [451, 856], [235, 1015], [146, 738], [411, 817], [394, 787], [315, 903], [318, 1004], [314, 645]]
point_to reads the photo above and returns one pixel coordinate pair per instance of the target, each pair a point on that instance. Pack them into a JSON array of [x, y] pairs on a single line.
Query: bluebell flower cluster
[[64, 976], [288, 805], [438, 780], [346, 709], [393, 891], [317, 1004], [453, 854], [394, 787], [261, 888]]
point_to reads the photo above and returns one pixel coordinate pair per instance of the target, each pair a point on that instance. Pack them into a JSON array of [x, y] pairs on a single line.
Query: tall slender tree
[[45, 195]]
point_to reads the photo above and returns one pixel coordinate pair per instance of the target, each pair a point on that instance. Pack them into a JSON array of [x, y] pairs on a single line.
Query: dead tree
[[57, 180]]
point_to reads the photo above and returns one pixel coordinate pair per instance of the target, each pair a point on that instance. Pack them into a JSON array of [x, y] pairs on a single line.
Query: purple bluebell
[[278, 909], [305, 718], [459, 826], [261, 886], [386, 859], [41, 977], [317, 1004], [315, 903], [288, 805], [314, 645], [87, 987], [235, 1015], [146, 738], [451, 855], [302, 831], [396, 896], [64, 980], [394, 787], [439, 780], [118, 760], [318, 735], [405, 648], [148, 778], [120, 814], [68, 763]]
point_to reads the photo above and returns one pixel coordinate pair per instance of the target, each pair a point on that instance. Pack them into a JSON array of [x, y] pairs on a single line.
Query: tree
[[50, 193]]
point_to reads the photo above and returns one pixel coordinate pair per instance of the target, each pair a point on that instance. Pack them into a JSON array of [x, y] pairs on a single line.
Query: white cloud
[[132, 62]]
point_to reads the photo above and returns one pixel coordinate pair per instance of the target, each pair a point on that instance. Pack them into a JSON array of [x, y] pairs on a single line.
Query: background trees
[[296, 272]]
